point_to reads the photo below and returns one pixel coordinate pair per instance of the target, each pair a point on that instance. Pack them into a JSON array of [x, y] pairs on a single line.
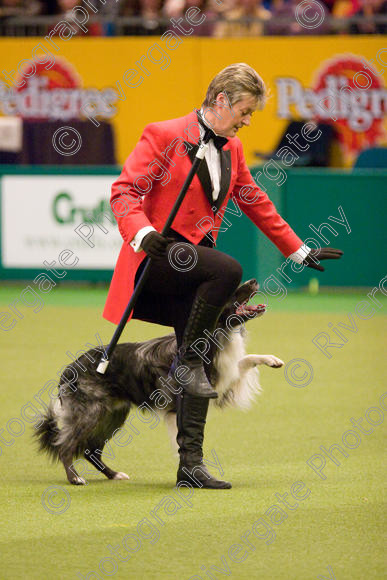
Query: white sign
[[40, 214]]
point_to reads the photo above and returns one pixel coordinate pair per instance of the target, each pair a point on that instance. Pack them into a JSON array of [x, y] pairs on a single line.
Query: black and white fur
[[90, 408]]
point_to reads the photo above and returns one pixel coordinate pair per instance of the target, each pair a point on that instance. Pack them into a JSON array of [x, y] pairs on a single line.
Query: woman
[[191, 300]]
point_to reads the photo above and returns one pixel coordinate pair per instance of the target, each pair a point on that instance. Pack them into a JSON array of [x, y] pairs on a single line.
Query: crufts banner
[[133, 81], [69, 213]]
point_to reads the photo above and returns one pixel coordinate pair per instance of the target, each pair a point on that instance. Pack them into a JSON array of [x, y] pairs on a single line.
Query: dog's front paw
[[77, 480], [273, 361], [121, 475]]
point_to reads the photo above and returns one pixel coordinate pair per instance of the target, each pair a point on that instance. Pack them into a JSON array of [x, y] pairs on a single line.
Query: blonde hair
[[238, 81]]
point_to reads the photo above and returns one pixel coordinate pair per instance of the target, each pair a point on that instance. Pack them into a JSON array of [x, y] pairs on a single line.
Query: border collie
[[89, 410]]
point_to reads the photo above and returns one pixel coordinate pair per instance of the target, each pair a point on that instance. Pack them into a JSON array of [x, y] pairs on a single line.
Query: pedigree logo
[[347, 92], [55, 93]]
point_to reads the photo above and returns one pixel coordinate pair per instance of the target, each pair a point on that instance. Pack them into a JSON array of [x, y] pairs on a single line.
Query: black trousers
[[185, 272]]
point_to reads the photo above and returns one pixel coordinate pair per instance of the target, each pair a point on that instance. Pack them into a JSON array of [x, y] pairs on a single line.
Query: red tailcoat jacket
[[144, 194]]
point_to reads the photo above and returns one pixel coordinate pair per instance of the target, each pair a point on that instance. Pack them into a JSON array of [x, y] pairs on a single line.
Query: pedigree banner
[[131, 82], [346, 92]]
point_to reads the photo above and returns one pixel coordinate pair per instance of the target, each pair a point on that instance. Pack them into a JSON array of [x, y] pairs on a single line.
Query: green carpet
[[334, 530]]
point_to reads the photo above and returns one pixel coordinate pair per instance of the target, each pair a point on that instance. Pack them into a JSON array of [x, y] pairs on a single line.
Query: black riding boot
[[191, 420], [192, 377]]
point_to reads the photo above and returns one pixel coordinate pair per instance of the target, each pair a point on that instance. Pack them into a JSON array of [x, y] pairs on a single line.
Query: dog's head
[[237, 310], [232, 321]]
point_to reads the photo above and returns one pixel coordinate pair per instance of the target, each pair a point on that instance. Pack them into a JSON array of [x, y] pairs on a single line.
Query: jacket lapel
[[203, 173], [225, 177]]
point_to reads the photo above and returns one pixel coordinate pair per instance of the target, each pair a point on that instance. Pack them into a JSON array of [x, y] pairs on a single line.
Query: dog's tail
[[47, 433]]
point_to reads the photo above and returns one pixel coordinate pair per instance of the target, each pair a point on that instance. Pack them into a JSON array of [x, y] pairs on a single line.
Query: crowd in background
[[223, 17]]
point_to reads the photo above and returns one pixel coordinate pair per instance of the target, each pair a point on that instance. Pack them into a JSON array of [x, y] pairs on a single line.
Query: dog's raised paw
[[121, 475], [274, 361]]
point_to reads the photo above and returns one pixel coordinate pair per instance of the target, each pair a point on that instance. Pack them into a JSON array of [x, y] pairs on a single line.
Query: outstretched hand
[[314, 256]]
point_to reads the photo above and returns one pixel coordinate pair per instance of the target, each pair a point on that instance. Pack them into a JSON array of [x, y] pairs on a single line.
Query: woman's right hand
[[155, 244]]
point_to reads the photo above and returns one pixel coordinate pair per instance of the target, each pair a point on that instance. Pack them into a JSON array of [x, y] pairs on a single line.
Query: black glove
[[314, 256], [155, 245]]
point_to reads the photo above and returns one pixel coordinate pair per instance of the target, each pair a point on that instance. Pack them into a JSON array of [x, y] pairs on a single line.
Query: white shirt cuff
[[300, 255], [136, 242]]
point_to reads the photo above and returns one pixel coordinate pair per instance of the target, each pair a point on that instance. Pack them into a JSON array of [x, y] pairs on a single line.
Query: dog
[[92, 408]]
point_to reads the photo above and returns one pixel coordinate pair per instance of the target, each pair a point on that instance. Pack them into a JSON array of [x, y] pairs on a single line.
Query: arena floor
[[326, 528]]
